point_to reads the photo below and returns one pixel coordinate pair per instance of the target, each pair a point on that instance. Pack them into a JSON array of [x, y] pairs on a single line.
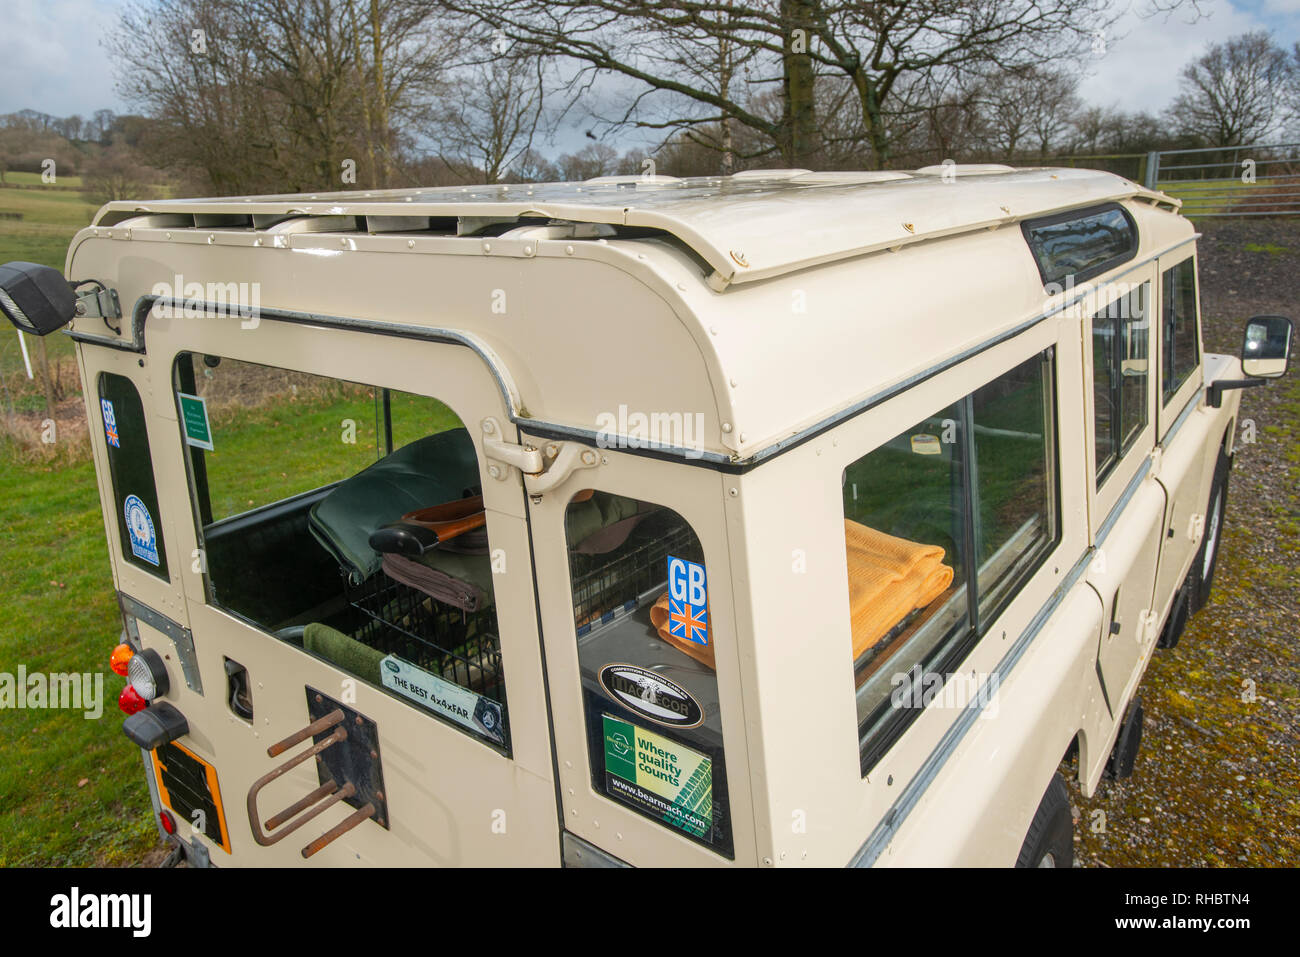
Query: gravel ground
[[1217, 782]]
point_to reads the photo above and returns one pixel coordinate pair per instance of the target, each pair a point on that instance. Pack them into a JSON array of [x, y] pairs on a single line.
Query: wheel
[[1208, 555], [1050, 839]]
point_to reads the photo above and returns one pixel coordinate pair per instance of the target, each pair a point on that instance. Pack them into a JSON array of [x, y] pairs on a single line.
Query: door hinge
[[543, 470]]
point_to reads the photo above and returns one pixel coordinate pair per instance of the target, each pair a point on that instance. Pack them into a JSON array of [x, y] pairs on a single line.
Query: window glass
[[977, 478], [645, 648], [1181, 342], [1081, 245], [368, 553], [905, 527], [130, 467], [1121, 334], [1015, 478]]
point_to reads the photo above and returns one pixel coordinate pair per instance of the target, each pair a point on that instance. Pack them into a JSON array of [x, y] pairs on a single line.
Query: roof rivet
[[739, 258], [344, 242], [742, 436], [909, 227], [733, 383], [568, 250], [410, 244], [256, 242], [169, 235], [681, 286], [487, 247], [733, 492], [713, 330], [726, 426], [528, 250], [1005, 210], [211, 238]]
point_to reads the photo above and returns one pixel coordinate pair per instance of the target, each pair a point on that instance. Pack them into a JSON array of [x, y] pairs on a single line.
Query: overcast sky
[[50, 59]]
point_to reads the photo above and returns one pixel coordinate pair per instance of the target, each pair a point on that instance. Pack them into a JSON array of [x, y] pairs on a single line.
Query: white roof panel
[[750, 226]]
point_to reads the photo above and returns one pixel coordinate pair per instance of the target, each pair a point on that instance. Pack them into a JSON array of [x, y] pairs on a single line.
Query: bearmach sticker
[[481, 715], [652, 696], [667, 779], [194, 412]]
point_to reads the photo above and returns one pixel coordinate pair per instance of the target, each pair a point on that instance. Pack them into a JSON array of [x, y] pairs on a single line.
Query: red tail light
[[130, 701]]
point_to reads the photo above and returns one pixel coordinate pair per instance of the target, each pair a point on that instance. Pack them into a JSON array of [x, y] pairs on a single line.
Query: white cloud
[[51, 59], [1145, 56]]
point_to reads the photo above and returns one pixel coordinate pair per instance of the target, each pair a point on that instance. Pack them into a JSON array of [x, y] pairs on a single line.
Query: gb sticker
[[688, 595], [110, 423]]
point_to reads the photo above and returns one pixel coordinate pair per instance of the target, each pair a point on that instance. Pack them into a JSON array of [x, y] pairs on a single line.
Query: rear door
[[278, 448], [642, 659]]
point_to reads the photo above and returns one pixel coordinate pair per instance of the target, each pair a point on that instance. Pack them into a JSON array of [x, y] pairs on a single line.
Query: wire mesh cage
[[461, 646], [610, 585]]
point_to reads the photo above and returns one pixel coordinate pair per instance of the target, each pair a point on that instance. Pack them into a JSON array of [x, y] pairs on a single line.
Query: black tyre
[[1050, 839], [1207, 557]]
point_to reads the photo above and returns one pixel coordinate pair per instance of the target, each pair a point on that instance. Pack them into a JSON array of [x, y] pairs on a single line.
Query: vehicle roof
[[746, 227]]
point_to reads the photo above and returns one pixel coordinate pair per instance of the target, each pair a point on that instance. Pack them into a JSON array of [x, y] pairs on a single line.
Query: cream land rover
[[785, 518]]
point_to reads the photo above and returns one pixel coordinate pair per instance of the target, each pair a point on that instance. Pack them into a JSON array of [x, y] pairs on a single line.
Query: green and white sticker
[[194, 414], [480, 714], [662, 777]]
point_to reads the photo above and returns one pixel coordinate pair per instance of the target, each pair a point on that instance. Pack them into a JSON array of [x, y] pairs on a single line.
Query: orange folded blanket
[[659, 618], [888, 578]]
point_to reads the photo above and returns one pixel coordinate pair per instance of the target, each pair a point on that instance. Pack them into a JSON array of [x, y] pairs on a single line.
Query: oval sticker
[[651, 696]]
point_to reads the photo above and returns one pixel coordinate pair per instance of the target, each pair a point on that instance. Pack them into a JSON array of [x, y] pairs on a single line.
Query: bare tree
[[488, 116], [1233, 93], [274, 95], [594, 159], [798, 45]]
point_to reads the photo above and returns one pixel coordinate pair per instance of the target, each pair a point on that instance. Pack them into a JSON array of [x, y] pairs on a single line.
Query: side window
[[645, 649], [318, 527], [1181, 349], [1120, 375], [130, 466], [943, 525]]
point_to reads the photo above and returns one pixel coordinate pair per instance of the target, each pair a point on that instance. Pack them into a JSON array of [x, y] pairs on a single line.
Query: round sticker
[[651, 696]]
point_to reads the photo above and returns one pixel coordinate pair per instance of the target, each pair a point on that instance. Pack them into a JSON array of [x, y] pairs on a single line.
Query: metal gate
[[1253, 180]]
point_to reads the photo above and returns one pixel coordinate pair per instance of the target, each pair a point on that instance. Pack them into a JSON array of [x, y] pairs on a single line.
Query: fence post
[[1152, 170]]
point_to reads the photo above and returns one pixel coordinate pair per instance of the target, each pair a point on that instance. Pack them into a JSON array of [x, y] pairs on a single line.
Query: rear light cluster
[[146, 677]]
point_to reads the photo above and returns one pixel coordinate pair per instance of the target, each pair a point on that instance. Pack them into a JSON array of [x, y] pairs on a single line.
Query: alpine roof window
[[1075, 246]]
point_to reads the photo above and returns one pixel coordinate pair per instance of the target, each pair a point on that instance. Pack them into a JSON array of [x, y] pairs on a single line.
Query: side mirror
[[36, 299], [1266, 350]]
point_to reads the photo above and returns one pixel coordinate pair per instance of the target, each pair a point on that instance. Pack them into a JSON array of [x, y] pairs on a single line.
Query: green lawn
[[34, 179], [60, 616]]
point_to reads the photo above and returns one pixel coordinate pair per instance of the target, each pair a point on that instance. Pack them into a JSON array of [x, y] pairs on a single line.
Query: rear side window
[[1120, 370], [130, 467], [348, 520], [943, 525], [1181, 348], [645, 648], [1076, 246]]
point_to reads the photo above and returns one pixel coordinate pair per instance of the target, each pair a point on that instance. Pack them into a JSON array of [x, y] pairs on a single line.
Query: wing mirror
[[36, 299], [1265, 354], [1266, 350]]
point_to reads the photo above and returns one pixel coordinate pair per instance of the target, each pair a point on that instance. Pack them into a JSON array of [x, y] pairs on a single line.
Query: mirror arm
[[1214, 394]]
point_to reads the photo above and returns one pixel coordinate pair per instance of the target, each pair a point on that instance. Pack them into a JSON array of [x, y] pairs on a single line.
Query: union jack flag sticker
[[688, 595], [110, 423]]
